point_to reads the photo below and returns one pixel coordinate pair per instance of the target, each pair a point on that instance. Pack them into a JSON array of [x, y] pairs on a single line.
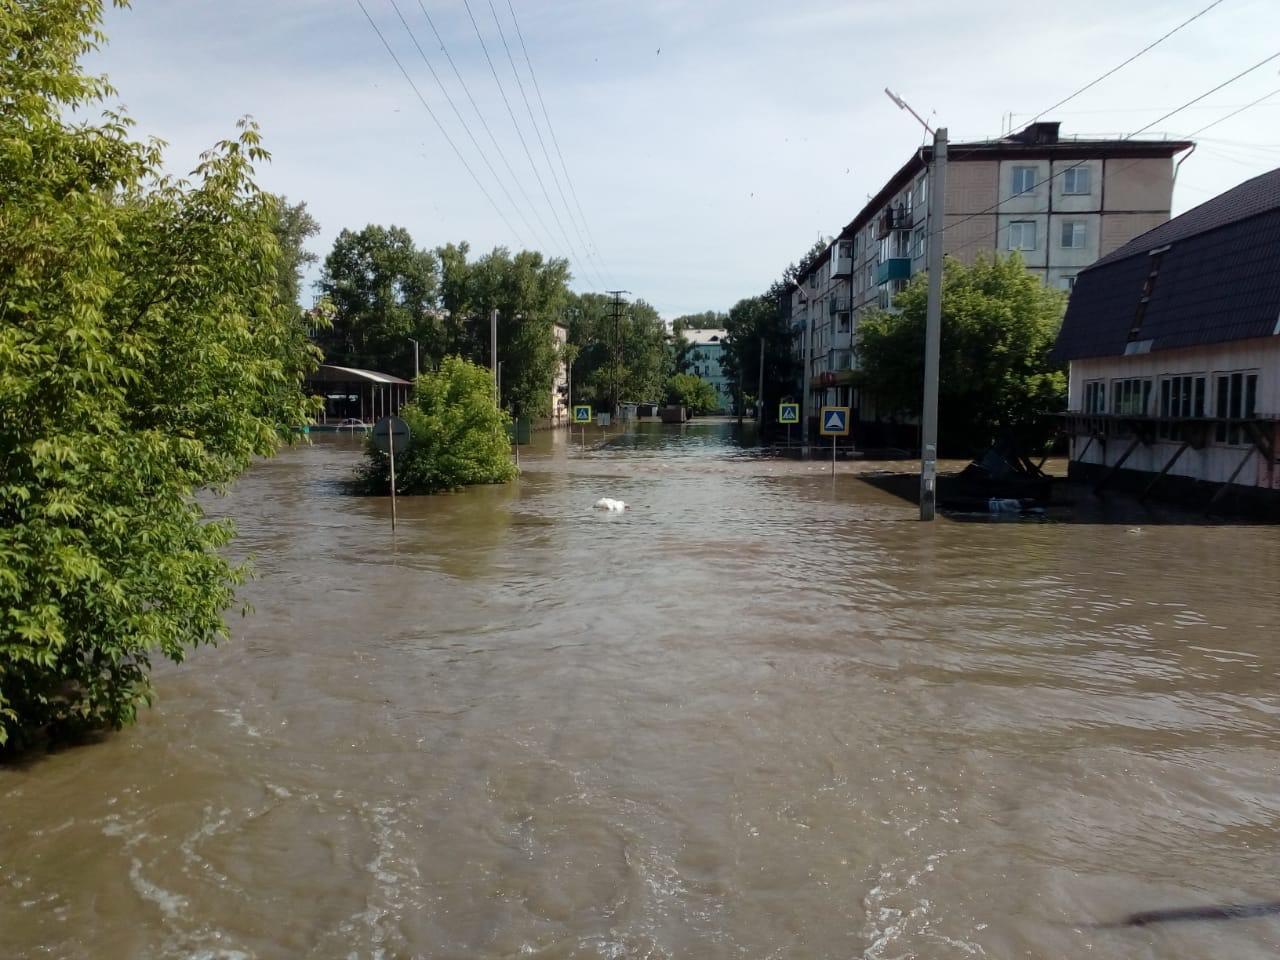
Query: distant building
[[1174, 346], [705, 356], [1062, 203], [560, 389]]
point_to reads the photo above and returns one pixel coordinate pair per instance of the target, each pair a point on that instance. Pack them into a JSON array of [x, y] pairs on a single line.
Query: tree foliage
[[999, 323], [144, 352], [293, 227], [459, 435], [752, 323], [530, 294], [641, 366], [383, 290], [691, 392]]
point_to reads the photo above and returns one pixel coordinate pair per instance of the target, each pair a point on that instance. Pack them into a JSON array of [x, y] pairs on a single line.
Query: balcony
[[837, 305], [841, 340], [895, 268], [893, 218]]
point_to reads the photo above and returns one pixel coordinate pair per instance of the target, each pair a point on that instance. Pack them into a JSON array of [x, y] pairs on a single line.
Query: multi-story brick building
[[1061, 203]]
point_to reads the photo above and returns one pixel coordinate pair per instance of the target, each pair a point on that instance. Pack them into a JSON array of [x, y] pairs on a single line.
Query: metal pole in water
[[391, 452], [833, 456], [933, 331]]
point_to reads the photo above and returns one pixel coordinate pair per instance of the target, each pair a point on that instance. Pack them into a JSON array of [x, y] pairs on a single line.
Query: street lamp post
[[415, 358]]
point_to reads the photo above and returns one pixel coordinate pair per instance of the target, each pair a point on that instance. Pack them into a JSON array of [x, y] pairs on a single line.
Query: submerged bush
[[459, 435]]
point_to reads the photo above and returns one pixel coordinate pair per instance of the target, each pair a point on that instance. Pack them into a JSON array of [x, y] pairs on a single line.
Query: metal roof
[[1211, 275], [330, 373]]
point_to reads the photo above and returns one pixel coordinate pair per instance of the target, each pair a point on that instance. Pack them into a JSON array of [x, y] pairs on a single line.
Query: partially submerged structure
[[354, 394], [1174, 346]]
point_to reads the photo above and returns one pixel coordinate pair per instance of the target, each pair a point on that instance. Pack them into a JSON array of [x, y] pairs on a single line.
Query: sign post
[[582, 416], [835, 423], [389, 433], [788, 413]]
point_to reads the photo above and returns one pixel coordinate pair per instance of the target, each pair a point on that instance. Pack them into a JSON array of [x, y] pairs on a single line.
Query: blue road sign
[[788, 413], [835, 421], [582, 413]]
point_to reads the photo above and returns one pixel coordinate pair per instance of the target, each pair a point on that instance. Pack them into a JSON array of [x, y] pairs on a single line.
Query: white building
[[1174, 346]]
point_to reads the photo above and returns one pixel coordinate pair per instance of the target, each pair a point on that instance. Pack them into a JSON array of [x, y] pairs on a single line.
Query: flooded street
[[761, 713]]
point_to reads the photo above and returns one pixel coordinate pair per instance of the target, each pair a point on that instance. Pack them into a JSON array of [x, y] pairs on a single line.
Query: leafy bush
[[144, 352], [692, 392], [459, 435]]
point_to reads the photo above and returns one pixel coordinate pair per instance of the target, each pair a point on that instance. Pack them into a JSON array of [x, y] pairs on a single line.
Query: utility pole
[[760, 392], [415, 359], [493, 354], [933, 331], [933, 314], [615, 371]]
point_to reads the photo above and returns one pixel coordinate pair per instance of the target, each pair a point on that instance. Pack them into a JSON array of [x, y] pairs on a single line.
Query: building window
[[1073, 234], [1022, 235], [1095, 396], [1068, 282], [1024, 180], [1131, 396], [1076, 180], [1180, 396], [922, 190], [917, 242], [1236, 399]]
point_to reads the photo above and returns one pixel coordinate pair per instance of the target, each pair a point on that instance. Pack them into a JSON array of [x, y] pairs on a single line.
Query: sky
[[706, 145]]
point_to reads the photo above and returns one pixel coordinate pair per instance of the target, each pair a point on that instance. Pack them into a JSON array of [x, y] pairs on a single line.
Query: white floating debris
[[608, 503]]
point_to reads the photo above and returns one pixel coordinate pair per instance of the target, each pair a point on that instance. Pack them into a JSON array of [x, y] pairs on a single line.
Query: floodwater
[[762, 713]]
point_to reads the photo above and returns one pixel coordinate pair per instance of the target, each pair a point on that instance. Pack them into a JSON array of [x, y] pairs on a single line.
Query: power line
[[1154, 43], [555, 178], [431, 113], [484, 123], [1120, 66], [1267, 96], [483, 156], [519, 133], [593, 248]]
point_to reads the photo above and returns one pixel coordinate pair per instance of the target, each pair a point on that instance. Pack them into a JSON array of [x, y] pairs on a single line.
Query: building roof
[[705, 336], [330, 373], [1038, 142], [1211, 275]]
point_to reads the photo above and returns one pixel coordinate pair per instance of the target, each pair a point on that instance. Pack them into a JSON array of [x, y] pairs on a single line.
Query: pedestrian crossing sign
[[582, 413], [788, 413], [835, 421]]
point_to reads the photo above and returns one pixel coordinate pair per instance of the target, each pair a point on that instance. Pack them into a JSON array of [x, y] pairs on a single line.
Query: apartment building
[[705, 356], [1062, 203]]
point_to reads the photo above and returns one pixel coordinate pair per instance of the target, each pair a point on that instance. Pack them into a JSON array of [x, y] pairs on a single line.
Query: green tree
[[383, 290], [999, 323], [459, 436], [530, 294], [752, 322], [144, 353], [693, 393], [637, 352], [293, 226]]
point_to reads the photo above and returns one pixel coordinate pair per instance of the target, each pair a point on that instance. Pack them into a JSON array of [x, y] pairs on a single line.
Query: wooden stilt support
[[1115, 468], [1167, 467], [1222, 490]]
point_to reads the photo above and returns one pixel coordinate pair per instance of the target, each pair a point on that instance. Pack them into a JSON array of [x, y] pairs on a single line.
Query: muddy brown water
[[760, 714]]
